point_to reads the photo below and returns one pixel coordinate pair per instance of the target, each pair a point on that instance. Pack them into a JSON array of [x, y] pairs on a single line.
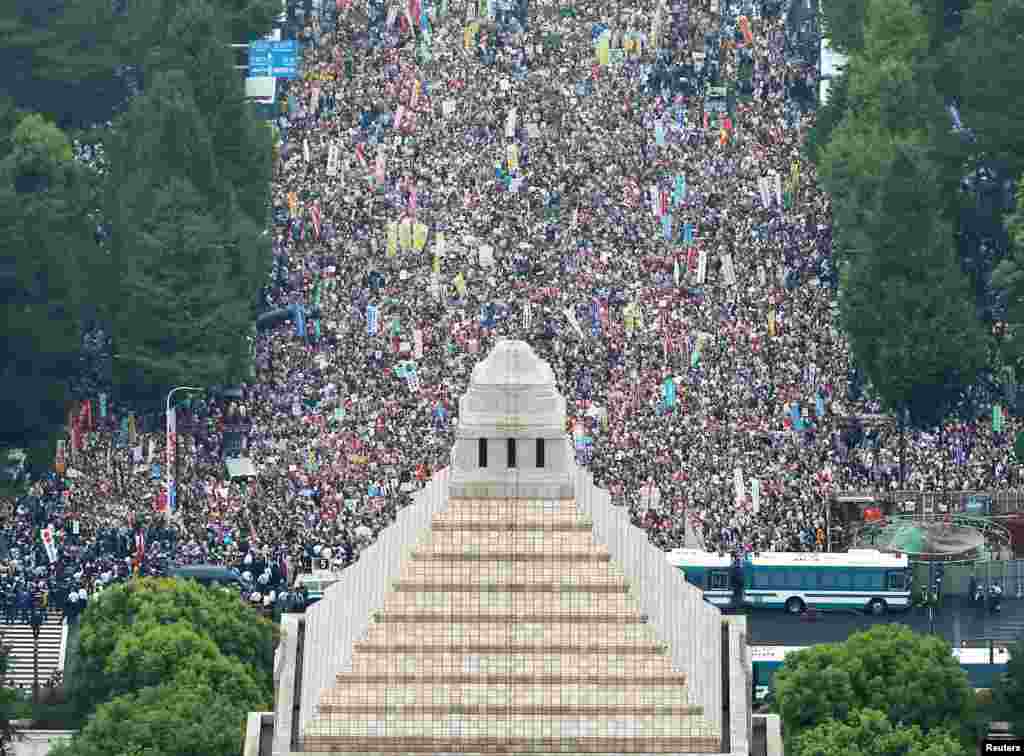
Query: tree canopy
[[169, 668], [1009, 691], [135, 632], [870, 733], [913, 680], [47, 251]]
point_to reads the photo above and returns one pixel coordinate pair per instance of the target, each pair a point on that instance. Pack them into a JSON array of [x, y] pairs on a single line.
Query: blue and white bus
[[982, 665], [858, 579]]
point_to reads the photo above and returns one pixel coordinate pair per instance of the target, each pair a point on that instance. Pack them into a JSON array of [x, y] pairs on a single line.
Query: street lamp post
[[172, 455]]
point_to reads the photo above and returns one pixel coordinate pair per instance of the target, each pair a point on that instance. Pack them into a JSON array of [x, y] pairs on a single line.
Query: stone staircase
[[509, 631], [18, 636]]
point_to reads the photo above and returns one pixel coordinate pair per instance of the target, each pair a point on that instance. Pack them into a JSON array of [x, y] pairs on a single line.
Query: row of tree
[[165, 246], [927, 96], [168, 668], [889, 692]]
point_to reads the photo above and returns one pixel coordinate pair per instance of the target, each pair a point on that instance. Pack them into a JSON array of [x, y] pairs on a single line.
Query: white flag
[[738, 483], [510, 124], [755, 493], [417, 340], [777, 180], [574, 322], [728, 272], [762, 275], [332, 160], [305, 150], [448, 107], [527, 315], [702, 267]]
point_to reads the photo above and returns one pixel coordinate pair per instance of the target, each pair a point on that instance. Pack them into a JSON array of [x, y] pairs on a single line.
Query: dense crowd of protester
[[674, 267]]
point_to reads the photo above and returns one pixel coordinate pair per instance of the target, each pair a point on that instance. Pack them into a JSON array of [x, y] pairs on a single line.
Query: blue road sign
[[277, 59]]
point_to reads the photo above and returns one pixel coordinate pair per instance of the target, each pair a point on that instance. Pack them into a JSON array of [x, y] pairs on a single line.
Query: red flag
[[663, 202], [360, 154], [316, 218]]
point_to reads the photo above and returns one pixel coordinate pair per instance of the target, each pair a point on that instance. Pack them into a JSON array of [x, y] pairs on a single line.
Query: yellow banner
[[460, 284], [771, 322], [392, 238], [419, 236], [513, 157], [405, 235]]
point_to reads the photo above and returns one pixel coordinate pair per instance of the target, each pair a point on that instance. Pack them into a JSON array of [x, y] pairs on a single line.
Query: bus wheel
[[795, 606], [877, 607]]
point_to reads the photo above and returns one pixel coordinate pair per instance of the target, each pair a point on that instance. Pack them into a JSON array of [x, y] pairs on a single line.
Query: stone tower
[[511, 440]]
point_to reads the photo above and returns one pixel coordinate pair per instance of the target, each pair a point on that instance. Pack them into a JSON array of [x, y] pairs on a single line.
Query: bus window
[[844, 580], [827, 579], [719, 581], [862, 581], [897, 581]]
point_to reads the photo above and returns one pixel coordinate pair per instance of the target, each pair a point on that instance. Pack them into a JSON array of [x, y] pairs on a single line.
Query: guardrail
[[988, 503]]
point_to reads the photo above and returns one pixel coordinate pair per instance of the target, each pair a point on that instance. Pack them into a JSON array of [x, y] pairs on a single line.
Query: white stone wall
[[676, 610], [342, 616]]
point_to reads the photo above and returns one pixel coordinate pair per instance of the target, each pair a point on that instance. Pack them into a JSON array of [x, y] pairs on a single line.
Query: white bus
[[982, 665], [861, 579]]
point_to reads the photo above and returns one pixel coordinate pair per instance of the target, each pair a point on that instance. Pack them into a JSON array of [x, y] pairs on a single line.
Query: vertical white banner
[[417, 341], [172, 442], [510, 124], [728, 271], [305, 150], [702, 267], [737, 482], [755, 494]]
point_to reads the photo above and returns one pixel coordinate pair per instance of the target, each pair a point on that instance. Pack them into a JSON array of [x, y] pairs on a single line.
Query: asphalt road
[[956, 620]]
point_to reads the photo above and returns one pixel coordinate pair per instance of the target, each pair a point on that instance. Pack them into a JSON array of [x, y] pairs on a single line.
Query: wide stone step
[[495, 540], [551, 745], [554, 524], [503, 554], [477, 571], [559, 634], [430, 661], [610, 584], [532, 694], [358, 711], [487, 616], [516, 510], [348, 680], [533, 604]]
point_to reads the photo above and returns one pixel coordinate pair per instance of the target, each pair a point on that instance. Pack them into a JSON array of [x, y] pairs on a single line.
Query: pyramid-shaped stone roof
[[510, 631]]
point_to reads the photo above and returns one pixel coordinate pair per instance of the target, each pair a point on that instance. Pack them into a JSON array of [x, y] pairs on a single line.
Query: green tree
[[191, 716], [70, 95], [828, 117], [47, 258], [178, 316], [137, 635], [1009, 278], [907, 307], [35, 130], [1009, 691], [912, 679], [869, 733], [843, 23], [986, 72]]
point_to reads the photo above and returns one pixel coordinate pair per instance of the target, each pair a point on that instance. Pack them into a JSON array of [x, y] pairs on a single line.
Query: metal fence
[[988, 503]]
